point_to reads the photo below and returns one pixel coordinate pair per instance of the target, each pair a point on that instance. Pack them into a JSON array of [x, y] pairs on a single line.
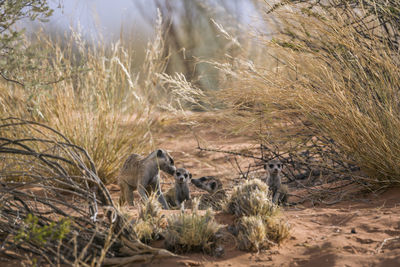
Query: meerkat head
[[165, 161], [273, 166], [208, 183], [182, 175]]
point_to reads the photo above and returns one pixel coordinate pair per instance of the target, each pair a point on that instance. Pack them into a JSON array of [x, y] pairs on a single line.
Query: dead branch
[[54, 205]]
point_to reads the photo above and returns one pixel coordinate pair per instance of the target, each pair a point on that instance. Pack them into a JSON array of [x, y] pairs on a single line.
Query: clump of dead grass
[[192, 232], [150, 223], [277, 229], [251, 198], [323, 75], [252, 233], [256, 232], [97, 98], [259, 225]]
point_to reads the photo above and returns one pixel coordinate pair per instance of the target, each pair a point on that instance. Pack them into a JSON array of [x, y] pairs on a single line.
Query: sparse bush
[[192, 232], [251, 198], [32, 231]]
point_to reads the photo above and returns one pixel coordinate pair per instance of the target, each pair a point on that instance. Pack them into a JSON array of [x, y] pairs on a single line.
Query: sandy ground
[[364, 231], [361, 231]]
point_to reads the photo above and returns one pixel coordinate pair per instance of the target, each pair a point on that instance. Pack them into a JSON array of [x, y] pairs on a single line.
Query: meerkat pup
[[177, 195], [274, 170], [208, 183], [216, 194], [142, 174]]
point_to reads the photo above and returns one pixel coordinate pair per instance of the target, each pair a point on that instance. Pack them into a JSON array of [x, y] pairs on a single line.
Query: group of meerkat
[[143, 174]]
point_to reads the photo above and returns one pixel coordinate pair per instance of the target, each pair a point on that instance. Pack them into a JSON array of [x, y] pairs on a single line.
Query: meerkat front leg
[[276, 197], [160, 195], [127, 193], [143, 193]]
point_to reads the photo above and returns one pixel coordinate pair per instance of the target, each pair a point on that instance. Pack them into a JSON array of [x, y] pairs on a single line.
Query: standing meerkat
[[274, 170], [180, 192], [142, 174]]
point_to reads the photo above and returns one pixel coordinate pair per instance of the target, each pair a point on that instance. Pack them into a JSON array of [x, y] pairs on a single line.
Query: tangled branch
[[54, 205]]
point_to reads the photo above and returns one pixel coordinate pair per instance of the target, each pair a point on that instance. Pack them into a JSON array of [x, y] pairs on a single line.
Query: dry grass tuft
[[97, 98], [277, 229], [256, 233], [193, 232], [252, 234], [327, 76], [150, 223], [150, 208], [259, 226], [251, 198]]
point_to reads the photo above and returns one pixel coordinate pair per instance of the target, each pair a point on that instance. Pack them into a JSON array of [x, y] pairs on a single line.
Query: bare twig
[[46, 177]]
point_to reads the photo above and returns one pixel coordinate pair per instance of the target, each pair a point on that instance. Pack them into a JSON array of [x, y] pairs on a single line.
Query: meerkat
[[210, 184], [180, 192], [142, 174], [274, 181], [216, 194]]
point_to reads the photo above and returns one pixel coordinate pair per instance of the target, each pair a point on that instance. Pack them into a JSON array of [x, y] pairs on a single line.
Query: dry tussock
[[324, 75], [251, 198], [256, 233], [150, 223], [97, 99], [259, 225], [193, 232], [252, 234]]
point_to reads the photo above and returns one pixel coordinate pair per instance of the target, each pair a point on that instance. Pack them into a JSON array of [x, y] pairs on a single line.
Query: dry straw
[[251, 198], [193, 231]]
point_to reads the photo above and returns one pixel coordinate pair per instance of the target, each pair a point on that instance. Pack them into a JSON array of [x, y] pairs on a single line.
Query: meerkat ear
[[159, 153], [265, 166]]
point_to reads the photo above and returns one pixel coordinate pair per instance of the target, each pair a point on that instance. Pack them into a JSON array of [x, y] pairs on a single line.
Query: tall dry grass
[[322, 76], [91, 93]]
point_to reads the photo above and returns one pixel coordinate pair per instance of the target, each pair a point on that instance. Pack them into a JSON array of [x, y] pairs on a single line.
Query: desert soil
[[361, 231]]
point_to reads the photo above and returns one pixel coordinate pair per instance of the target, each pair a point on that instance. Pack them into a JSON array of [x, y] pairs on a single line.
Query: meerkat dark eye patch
[[271, 166], [172, 161], [185, 175], [213, 185], [178, 174], [279, 165]]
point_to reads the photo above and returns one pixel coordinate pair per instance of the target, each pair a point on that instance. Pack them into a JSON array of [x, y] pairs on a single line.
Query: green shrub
[[32, 231]]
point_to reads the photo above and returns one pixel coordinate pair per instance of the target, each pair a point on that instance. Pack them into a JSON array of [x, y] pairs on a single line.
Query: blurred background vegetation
[[297, 68]]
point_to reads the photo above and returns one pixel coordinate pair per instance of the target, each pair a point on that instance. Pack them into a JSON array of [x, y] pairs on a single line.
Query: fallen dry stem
[[43, 206]]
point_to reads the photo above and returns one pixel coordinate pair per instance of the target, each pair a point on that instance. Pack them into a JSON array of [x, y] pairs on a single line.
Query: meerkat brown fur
[[180, 192], [142, 174]]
